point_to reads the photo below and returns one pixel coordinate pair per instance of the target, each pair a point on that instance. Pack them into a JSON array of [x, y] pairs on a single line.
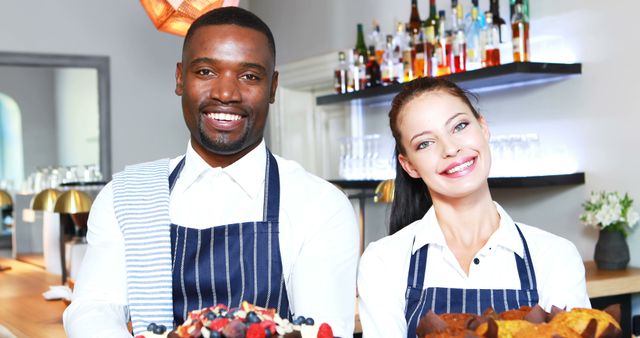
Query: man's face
[[226, 80]]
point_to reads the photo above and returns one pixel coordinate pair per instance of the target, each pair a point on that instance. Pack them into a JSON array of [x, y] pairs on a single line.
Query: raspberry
[[256, 331], [324, 331]]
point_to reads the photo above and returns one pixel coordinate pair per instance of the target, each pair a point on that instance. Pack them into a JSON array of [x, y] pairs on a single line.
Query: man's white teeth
[[461, 167], [224, 116]]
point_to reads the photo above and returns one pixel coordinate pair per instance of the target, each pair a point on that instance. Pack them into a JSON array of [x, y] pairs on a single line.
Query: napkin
[[57, 292]]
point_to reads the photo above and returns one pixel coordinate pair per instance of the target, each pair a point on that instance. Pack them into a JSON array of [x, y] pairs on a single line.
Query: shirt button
[[476, 261]]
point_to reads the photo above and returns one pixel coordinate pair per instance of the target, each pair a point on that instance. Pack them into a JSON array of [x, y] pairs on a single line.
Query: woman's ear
[[408, 167], [485, 128]]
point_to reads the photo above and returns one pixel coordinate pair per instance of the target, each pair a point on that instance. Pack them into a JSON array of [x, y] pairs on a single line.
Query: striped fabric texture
[[141, 204], [419, 301], [230, 263]]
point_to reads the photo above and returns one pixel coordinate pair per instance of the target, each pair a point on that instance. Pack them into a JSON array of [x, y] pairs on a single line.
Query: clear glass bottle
[[341, 74], [459, 43], [520, 35], [492, 44], [474, 47], [443, 47]]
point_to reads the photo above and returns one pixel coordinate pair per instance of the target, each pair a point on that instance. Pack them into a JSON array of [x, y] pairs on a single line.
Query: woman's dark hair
[[411, 198]]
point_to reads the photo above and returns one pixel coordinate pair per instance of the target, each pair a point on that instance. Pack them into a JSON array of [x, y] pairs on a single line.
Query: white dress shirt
[[318, 241], [384, 266]]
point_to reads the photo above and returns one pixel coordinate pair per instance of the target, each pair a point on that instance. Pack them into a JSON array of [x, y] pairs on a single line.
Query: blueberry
[[298, 321], [151, 327], [160, 329], [252, 317], [229, 315], [267, 333], [211, 316], [309, 321], [215, 334]]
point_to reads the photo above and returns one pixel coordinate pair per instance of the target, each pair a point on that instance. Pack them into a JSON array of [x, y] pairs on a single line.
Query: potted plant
[[614, 217]]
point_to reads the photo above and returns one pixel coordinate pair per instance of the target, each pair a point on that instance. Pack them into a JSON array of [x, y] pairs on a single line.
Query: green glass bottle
[[361, 47]]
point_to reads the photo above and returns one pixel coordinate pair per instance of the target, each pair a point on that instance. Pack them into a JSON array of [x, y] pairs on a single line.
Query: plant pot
[[612, 251]]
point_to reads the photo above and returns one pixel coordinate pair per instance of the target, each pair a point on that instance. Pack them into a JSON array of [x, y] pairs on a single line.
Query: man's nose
[[226, 89]]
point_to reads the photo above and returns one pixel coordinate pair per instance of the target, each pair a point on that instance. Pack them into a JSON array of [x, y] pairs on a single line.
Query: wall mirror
[[54, 112]]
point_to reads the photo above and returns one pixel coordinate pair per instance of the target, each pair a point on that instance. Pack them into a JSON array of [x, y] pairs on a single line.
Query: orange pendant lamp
[[176, 16]]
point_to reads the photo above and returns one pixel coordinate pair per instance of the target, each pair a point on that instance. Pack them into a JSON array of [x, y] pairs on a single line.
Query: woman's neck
[[467, 223]]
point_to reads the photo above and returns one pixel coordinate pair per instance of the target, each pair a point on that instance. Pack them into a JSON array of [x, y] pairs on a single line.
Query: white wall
[[146, 119], [77, 116], [33, 91]]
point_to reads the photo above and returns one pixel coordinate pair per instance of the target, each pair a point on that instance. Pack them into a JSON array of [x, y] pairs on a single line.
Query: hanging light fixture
[[385, 191], [176, 16], [45, 200], [73, 202], [5, 199]]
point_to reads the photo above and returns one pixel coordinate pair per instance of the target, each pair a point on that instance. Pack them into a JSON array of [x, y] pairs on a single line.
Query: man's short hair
[[232, 16]]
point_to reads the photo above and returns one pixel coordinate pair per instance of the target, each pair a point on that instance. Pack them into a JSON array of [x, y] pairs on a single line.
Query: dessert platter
[[525, 322], [247, 320]]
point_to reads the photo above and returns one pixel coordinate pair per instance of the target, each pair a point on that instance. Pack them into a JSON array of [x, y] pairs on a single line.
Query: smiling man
[[227, 221]]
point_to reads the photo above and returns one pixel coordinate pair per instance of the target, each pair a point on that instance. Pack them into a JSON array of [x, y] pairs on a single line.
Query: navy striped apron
[[451, 300], [227, 264]]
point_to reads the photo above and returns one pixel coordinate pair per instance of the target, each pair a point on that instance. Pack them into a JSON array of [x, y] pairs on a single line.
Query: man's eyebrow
[[253, 65], [258, 66]]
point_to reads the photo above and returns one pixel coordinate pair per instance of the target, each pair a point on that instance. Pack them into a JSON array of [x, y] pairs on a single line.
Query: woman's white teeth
[[461, 167], [224, 116]]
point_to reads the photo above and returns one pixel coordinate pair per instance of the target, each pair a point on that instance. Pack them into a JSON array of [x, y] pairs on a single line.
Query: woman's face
[[445, 145]]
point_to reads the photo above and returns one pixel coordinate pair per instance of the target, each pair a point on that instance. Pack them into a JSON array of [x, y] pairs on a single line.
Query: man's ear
[[408, 167], [179, 85], [274, 87]]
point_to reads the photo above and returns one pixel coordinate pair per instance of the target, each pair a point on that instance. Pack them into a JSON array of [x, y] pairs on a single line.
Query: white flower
[[632, 218]]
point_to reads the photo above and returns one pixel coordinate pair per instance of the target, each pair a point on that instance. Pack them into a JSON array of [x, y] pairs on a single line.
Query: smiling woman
[[449, 238]]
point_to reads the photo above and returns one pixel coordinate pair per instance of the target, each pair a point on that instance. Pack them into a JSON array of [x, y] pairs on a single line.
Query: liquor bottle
[[414, 20], [388, 68], [419, 64], [351, 60], [520, 35], [373, 70], [443, 47], [359, 71], [341, 74], [494, 8], [432, 21], [474, 47], [459, 43], [402, 42], [376, 39], [360, 48], [492, 45]]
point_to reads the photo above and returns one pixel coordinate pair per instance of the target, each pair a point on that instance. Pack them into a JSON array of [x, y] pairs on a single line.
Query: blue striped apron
[[451, 300], [227, 264]]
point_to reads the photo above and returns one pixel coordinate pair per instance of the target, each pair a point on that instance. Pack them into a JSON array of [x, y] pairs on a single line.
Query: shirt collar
[[428, 231], [248, 172]]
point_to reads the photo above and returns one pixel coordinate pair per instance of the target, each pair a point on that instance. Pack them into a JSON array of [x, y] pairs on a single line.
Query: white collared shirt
[[384, 267], [318, 240]]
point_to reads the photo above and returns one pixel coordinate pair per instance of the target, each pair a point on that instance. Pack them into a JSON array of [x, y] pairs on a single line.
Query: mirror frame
[[102, 65]]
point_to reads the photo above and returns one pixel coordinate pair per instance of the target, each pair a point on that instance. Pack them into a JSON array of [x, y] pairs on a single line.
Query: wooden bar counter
[[26, 313], [23, 310], [602, 283]]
